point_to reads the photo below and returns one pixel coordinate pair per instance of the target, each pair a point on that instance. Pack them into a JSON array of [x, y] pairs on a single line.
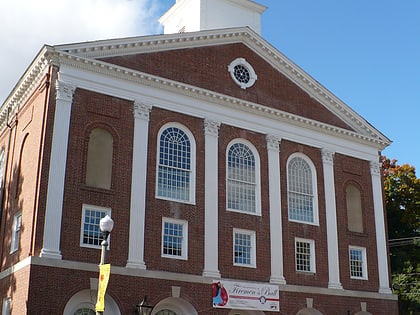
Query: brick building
[[237, 183]]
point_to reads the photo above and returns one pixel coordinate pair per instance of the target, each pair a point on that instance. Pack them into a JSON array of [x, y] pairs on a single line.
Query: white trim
[[211, 200], [16, 232], [314, 187], [276, 227], [331, 219], [184, 244], [138, 188], [105, 211], [253, 262], [312, 257], [57, 171], [257, 176], [181, 277], [381, 241], [193, 162]]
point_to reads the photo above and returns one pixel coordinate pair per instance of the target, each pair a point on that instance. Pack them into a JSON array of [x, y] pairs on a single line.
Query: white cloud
[[26, 25]]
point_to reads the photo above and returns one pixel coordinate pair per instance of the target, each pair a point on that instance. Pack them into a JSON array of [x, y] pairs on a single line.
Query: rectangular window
[[244, 248], [17, 227], [358, 265], [305, 255], [91, 235], [174, 238]]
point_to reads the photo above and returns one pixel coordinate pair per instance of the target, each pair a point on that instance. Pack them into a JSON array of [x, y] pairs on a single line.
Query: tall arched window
[[301, 190], [354, 209], [99, 159], [242, 177], [176, 164]]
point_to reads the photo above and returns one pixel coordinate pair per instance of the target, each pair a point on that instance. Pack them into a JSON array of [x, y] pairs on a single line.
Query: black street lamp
[[144, 308]]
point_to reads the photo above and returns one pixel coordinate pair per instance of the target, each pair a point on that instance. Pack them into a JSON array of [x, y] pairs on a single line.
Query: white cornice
[[111, 70], [85, 55], [145, 44]]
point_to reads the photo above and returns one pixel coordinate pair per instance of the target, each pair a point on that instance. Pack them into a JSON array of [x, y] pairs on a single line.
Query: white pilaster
[[138, 186], [276, 230], [211, 209], [57, 172], [331, 214], [375, 170]]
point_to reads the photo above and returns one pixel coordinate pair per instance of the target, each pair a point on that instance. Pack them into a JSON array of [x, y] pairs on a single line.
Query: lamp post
[[106, 225], [144, 308]]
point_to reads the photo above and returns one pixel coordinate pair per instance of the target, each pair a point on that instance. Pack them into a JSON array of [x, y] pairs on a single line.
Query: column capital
[[273, 142], [141, 110], [375, 168], [211, 127], [64, 91], [327, 156]]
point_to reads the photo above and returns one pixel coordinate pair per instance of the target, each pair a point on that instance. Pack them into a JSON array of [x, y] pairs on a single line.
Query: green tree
[[402, 200]]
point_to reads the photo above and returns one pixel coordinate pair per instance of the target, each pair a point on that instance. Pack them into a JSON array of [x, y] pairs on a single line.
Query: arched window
[[301, 189], [176, 164], [165, 312], [85, 311], [99, 159], [242, 177], [354, 209]]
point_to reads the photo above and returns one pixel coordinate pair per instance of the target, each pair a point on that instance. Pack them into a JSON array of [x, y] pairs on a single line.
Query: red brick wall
[[158, 208], [349, 170], [207, 67], [92, 110], [293, 229]]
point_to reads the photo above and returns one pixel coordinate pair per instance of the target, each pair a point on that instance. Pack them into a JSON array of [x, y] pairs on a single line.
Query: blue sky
[[366, 52]]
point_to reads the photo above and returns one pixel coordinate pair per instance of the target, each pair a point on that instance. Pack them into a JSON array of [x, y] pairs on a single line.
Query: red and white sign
[[245, 296]]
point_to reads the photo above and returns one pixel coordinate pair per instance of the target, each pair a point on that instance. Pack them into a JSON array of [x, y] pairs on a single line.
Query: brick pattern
[[207, 67]]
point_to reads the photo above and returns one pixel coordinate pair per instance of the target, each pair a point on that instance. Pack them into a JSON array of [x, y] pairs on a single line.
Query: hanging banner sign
[[245, 296], [104, 272]]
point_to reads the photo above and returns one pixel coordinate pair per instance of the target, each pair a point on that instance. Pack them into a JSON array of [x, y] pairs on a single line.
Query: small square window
[[17, 227], [174, 238], [305, 255], [91, 235], [358, 265], [244, 248]]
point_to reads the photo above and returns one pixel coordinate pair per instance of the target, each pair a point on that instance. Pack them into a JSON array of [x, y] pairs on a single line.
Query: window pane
[[172, 239], [300, 190], [303, 256], [91, 233], [356, 263], [242, 249], [241, 181], [174, 170]]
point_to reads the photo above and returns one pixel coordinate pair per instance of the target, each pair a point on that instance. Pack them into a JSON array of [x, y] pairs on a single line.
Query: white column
[[211, 209], [276, 230], [331, 214], [375, 170], [138, 186], [57, 172]]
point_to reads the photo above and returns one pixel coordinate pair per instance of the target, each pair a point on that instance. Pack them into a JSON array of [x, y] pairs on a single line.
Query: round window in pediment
[[242, 73]]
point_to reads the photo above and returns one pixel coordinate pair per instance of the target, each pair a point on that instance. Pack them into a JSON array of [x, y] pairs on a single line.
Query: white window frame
[[5, 310], [253, 251], [105, 211], [312, 258], [16, 232], [314, 189], [252, 75], [192, 170], [364, 262], [184, 242], [257, 177]]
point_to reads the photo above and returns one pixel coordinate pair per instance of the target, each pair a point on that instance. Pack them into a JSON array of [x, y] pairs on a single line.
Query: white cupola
[[200, 15]]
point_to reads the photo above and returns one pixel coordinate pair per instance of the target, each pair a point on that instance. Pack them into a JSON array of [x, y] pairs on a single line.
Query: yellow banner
[[104, 271]]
